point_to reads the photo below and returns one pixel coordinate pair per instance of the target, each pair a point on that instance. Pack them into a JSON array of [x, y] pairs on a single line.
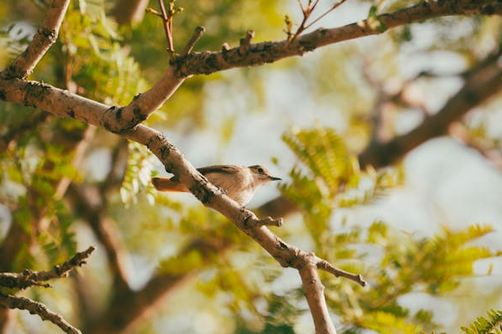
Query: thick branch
[[46, 35], [58, 102], [120, 119], [479, 86], [314, 292], [268, 52], [23, 303]]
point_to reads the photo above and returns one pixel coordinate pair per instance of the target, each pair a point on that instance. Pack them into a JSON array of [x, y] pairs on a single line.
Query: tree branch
[[267, 52], [59, 102], [46, 35], [30, 278], [479, 86], [119, 119], [314, 292], [23, 303], [328, 267]]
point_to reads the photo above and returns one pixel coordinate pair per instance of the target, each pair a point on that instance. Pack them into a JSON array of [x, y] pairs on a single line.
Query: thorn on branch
[[197, 34], [225, 47], [328, 267], [246, 42], [269, 221]]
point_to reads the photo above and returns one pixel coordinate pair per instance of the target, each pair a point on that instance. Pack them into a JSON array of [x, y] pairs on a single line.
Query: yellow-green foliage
[[395, 263], [491, 323]]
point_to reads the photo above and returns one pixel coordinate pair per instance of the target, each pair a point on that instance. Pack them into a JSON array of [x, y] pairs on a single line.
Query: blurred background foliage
[[312, 116]]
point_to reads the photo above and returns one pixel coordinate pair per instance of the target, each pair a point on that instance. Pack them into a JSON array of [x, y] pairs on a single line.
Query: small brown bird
[[238, 182]]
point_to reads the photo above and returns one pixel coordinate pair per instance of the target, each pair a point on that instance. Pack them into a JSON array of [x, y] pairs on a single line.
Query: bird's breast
[[238, 186]]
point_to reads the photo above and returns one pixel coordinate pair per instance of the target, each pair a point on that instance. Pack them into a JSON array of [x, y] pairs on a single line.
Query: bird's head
[[261, 175]]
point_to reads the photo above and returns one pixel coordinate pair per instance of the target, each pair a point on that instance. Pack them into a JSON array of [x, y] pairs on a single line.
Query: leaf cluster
[[491, 323], [396, 264]]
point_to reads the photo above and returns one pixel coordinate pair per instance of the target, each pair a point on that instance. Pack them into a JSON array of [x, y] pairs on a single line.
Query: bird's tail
[[165, 184]]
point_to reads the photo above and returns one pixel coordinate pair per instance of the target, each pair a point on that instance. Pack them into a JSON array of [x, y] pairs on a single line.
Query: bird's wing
[[224, 169]]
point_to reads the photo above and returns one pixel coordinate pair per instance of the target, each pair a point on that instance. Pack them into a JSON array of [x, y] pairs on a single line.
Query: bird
[[237, 182]]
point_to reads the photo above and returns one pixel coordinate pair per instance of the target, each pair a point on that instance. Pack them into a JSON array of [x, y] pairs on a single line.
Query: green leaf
[[491, 323]]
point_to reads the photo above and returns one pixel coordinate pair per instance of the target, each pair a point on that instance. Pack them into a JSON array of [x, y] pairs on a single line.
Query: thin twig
[[32, 278], [335, 6], [197, 34], [307, 12], [328, 267], [268, 221], [154, 12], [23, 303], [167, 27]]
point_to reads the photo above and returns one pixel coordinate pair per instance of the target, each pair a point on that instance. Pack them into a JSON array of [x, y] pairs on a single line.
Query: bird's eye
[[260, 170]]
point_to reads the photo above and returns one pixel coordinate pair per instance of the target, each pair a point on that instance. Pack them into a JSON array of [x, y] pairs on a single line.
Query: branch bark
[[30, 278], [23, 303], [267, 52], [59, 102], [119, 119], [46, 35], [314, 292]]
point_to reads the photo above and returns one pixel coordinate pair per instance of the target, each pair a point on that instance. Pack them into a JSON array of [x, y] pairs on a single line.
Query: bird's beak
[[273, 178]]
